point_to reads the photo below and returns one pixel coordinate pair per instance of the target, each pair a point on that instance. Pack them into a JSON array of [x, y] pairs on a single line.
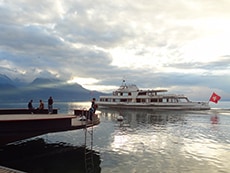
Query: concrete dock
[[25, 111], [15, 127]]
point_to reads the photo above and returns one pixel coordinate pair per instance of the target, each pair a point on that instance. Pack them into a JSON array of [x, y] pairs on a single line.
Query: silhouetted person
[[41, 105], [30, 104], [50, 105], [94, 105], [92, 109]]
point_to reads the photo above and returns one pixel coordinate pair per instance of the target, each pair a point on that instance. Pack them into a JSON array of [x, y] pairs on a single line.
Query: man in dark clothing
[[93, 105], [92, 109], [50, 105], [30, 105]]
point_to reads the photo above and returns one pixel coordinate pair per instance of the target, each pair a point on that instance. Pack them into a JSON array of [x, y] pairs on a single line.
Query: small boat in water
[[131, 97]]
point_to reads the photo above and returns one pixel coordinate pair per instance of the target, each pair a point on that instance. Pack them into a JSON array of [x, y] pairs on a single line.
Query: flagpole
[[209, 99]]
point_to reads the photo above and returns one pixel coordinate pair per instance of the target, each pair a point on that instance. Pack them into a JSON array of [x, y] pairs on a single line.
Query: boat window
[[142, 93], [183, 100], [171, 100], [153, 100], [168, 100], [165, 100], [125, 94], [175, 100]]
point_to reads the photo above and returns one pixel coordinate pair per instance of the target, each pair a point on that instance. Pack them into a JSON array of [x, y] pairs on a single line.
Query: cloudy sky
[[179, 45]]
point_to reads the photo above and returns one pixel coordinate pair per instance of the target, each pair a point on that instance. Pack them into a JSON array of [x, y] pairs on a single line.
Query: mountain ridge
[[43, 88]]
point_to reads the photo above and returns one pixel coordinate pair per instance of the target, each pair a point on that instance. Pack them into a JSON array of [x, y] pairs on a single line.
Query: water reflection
[[38, 156], [138, 117], [214, 119], [145, 141], [168, 141]]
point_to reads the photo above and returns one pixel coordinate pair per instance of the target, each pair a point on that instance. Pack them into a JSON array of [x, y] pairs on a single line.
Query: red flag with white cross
[[214, 98]]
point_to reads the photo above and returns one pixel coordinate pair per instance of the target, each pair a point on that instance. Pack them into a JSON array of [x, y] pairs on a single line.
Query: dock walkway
[[4, 111], [21, 126], [14, 127]]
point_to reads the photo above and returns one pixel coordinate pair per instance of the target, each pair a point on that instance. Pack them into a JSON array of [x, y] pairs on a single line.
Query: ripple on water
[[171, 147]]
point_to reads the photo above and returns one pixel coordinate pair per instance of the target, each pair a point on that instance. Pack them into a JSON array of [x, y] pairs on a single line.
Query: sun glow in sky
[[209, 49], [170, 44], [83, 81]]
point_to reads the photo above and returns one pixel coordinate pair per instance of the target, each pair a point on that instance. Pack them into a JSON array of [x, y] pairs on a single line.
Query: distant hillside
[[43, 88], [5, 80]]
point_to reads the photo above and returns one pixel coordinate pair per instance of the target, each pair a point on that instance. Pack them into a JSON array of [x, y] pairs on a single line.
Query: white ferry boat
[[130, 97]]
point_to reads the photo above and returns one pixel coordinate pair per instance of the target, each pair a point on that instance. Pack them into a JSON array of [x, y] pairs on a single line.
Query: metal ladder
[[89, 162]]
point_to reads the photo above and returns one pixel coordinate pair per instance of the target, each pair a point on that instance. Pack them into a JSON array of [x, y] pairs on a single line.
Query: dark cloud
[[64, 39]]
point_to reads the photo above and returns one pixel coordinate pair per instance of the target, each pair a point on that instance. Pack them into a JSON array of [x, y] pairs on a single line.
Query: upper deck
[[133, 90]]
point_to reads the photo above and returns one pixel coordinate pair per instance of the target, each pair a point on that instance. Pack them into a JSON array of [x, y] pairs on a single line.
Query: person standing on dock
[[50, 105], [30, 106], [92, 109], [93, 106]]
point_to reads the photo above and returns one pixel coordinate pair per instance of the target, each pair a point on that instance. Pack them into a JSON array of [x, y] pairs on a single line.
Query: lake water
[[145, 141]]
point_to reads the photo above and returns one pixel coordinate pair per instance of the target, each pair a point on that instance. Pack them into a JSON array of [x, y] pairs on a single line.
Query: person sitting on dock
[[41, 105], [30, 105]]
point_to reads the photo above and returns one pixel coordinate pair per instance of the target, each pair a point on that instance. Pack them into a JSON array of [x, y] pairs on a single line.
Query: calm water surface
[[146, 141]]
